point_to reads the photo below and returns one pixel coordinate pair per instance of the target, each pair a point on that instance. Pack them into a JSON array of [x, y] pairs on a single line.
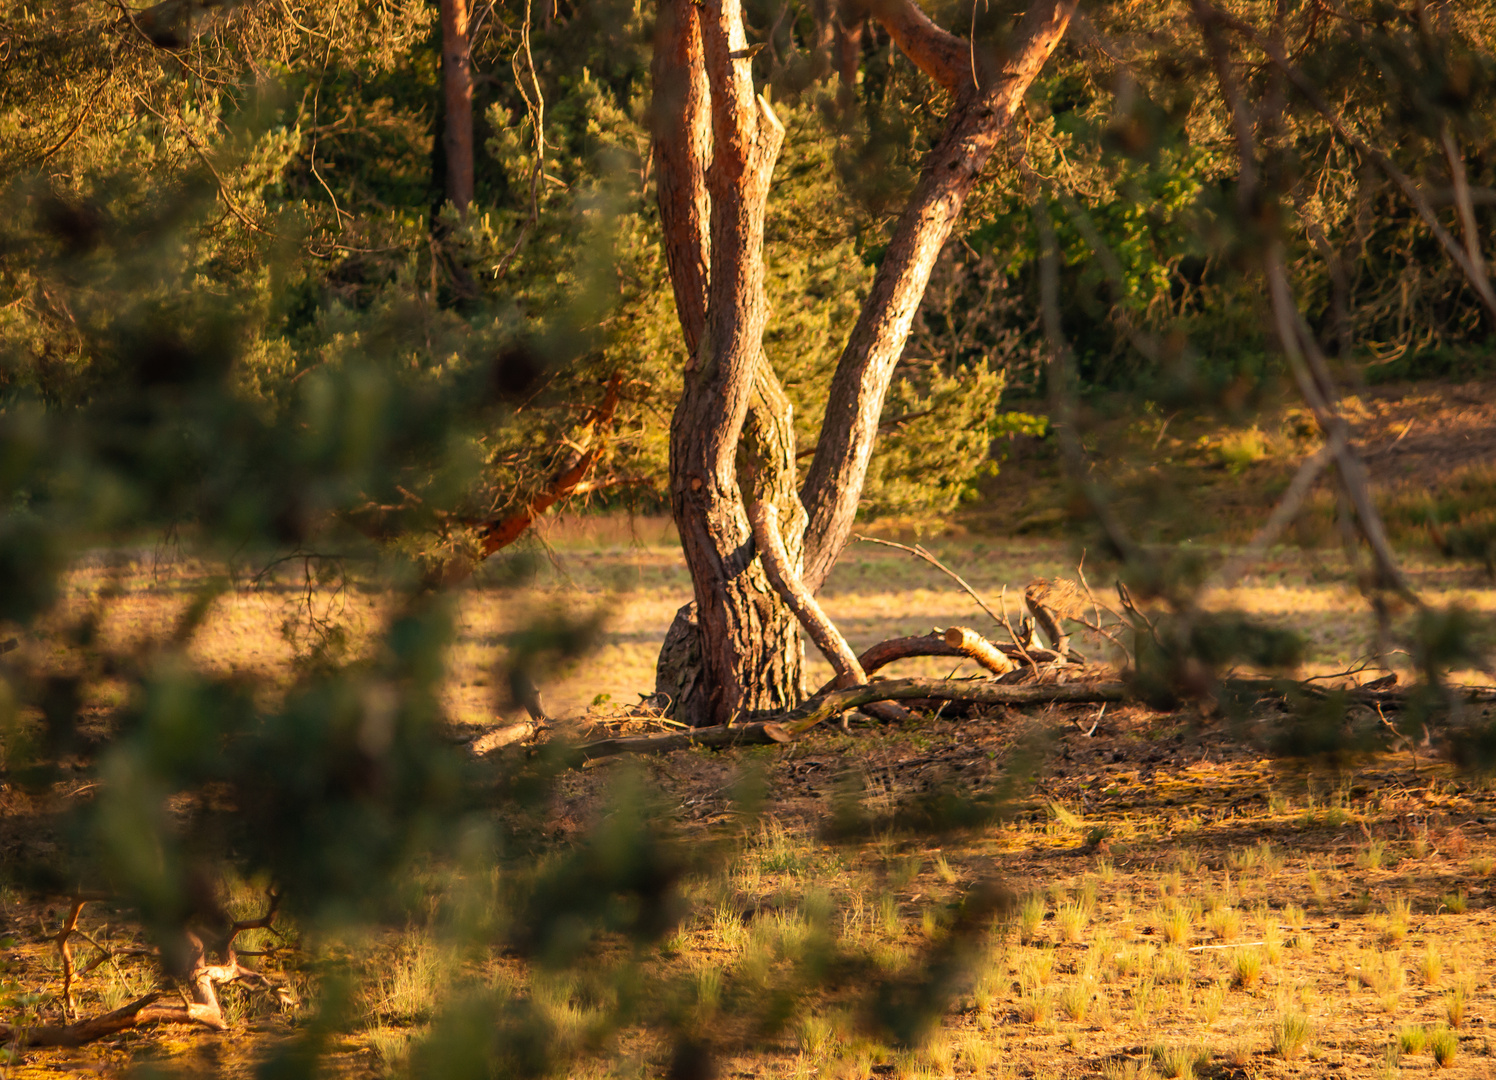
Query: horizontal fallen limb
[[716, 738], [833, 703], [976, 691], [959, 642], [140, 1011]]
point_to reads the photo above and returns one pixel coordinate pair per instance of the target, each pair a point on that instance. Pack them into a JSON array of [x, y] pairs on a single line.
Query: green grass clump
[[1445, 1045], [1412, 1039], [1291, 1035], [1455, 903]]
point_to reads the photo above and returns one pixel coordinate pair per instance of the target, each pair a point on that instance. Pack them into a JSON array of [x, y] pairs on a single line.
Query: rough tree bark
[[731, 441]]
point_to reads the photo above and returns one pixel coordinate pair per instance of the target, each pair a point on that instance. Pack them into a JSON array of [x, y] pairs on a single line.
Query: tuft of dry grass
[[1455, 1003], [1246, 968], [1412, 1039], [1373, 856], [1176, 925], [1225, 923], [1431, 966], [1291, 1035], [1075, 1000], [1070, 918], [1180, 1061], [1445, 1045]]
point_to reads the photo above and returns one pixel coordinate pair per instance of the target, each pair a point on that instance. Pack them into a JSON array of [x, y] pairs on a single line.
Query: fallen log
[[977, 691], [967, 643], [828, 705], [716, 738]]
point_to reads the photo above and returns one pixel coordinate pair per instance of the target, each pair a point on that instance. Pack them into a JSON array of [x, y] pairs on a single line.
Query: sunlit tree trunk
[[731, 440]]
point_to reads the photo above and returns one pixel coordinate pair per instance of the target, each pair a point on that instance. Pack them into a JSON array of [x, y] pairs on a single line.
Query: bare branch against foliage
[[571, 479], [1305, 360], [1472, 268]]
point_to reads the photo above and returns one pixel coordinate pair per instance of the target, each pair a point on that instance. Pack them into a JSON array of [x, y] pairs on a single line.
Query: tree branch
[[834, 481], [568, 481], [940, 54]]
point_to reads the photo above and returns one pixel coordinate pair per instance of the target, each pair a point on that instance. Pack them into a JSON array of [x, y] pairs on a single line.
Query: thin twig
[[919, 551]]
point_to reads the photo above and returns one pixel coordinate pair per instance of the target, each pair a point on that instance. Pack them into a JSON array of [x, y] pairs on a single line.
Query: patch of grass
[[1179, 1061], [1129, 960], [1444, 1044], [816, 1035], [1035, 1007], [1212, 1003], [1383, 975], [1431, 966], [1171, 965], [1246, 968], [1127, 1069], [1454, 903], [1291, 1034], [390, 1049], [1239, 1053], [1454, 1005], [1412, 1039], [1036, 969], [1031, 916], [1070, 919], [1225, 923], [977, 1051], [1175, 925], [408, 984], [1482, 865], [1075, 1000], [1373, 856], [944, 871], [1399, 910]]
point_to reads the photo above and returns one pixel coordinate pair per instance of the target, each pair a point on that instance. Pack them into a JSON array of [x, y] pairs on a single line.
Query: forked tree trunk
[[731, 441]]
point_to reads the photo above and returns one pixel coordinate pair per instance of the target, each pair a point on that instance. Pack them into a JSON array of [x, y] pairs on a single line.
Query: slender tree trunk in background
[[457, 90], [731, 440]]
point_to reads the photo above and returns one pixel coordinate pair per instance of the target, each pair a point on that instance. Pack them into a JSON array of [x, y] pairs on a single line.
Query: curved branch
[[786, 582], [937, 52], [571, 480]]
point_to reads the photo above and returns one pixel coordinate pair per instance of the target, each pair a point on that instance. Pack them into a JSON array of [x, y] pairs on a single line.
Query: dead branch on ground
[[200, 1003], [833, 703]]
